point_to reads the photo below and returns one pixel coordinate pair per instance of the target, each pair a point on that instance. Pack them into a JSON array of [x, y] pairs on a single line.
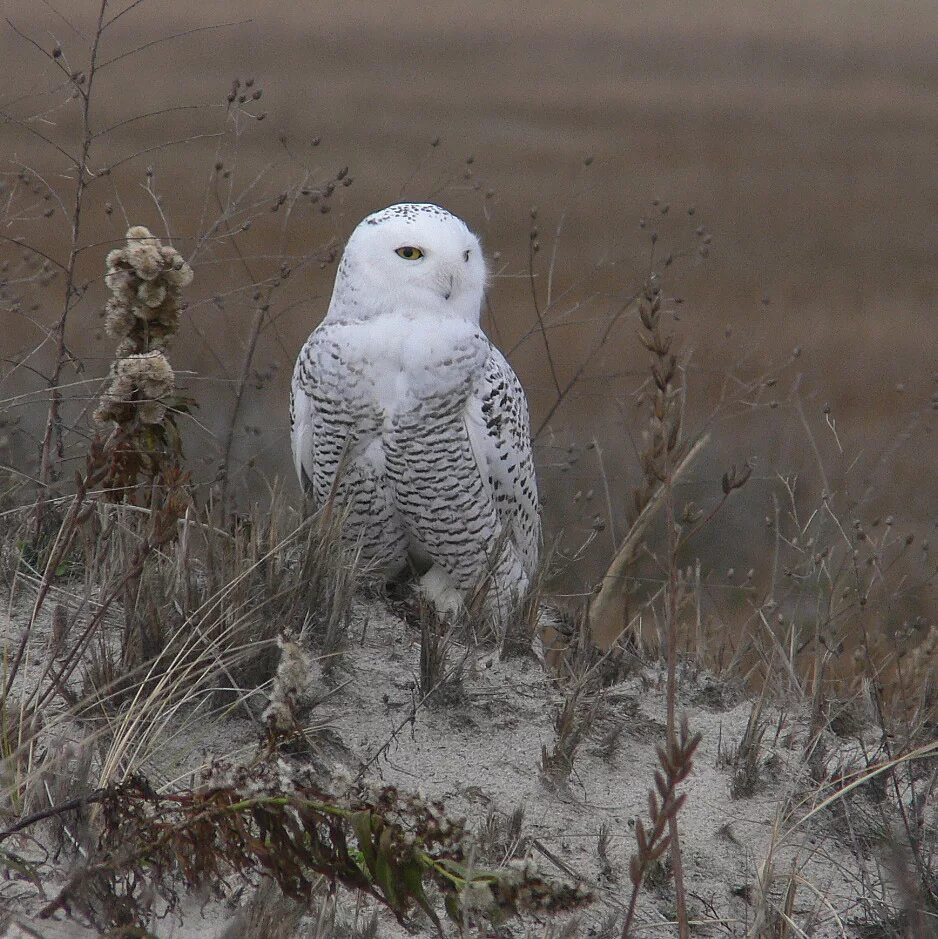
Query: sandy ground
[[480, 751], [802, 133]]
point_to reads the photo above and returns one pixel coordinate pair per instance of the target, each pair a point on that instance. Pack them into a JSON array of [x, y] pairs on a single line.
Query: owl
[[405, 415]]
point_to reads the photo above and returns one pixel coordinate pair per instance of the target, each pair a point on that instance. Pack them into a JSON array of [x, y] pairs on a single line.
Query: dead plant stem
[[53, 421], [671, 691]]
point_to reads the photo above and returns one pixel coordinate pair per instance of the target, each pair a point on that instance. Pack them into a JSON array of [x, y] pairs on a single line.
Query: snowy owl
[[404, 413]]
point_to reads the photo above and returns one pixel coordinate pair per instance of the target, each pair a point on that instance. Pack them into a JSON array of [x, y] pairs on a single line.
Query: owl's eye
[[409, 253], [465, 256]]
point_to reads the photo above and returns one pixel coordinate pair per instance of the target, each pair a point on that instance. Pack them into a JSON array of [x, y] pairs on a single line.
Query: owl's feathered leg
[[494, 594], [437, 587]]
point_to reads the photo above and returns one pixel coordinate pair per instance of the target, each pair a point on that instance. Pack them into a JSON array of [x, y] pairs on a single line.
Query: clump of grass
[[746, 758], [442, 659], [501, 836], [573, 719], [527, 621], [603, 841]]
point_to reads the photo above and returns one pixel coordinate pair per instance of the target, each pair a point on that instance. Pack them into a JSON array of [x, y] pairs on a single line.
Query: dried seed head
[[151, 294], [145, 278], [296, 673], [140, 384], [118, 318], [142, 253]]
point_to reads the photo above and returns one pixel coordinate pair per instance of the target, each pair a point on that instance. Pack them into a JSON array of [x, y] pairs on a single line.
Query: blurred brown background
[[804, 136]]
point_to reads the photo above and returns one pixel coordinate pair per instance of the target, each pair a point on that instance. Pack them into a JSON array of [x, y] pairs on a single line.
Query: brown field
[[803, 134]]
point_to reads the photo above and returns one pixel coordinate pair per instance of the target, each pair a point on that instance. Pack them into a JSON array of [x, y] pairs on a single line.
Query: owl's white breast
[[400, 360]]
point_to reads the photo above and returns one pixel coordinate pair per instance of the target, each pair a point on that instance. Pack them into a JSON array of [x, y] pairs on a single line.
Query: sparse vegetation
[[207, 699]]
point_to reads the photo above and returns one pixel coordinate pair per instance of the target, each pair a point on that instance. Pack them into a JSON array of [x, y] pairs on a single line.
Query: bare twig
[[52, 811], [53, 423]]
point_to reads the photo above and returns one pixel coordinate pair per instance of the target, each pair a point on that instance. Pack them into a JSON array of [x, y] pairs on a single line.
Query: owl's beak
[[450, 283]]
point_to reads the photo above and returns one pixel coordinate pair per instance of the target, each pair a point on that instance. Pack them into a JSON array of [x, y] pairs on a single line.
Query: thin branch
[[118, 15], [161, 146], [9, 118], [96, 795], [50, 189], [540, 321], [180, 35], [59, 65], [581, 368], [29, 247], [141, 117], [53, 425], [65, 20]]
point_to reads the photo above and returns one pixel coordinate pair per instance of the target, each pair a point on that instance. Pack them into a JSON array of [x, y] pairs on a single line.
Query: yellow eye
[[409, 253]]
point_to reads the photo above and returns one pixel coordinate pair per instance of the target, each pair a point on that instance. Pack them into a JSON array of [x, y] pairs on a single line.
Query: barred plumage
[[405, 412]]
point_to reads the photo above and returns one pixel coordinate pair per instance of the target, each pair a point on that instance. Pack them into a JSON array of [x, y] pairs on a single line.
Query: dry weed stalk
[[146, 279], [666, 455], [746, 760], [664, 803], [83, 88], [257, 819], [290, 687], [439, 679]]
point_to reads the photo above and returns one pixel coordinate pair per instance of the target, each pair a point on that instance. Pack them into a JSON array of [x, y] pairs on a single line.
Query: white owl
[[400, 395]]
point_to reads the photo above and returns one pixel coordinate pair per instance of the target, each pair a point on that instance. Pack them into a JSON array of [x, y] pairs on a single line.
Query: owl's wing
[[303, 417], [501, 439]]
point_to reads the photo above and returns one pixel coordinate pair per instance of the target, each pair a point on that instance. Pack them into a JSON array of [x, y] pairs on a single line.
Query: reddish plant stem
[[677, 864]]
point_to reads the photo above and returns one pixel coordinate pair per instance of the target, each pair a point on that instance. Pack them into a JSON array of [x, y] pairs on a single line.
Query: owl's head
[[411, 256]]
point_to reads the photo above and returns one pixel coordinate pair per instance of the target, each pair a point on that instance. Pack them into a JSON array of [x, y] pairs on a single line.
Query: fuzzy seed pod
[[140, 383]]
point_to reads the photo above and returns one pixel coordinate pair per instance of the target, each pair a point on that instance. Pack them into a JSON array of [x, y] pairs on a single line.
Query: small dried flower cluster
[[146, 279], [410, 822], [422, 819], [140, 385], [296, 671]]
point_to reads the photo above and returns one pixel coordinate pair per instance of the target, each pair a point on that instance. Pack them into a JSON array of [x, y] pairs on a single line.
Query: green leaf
[[23, 868], [411, 875], [453, 909], [384, 871], [362, 824]]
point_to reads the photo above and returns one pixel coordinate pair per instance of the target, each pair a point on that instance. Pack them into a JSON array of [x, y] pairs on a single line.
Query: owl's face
[[413, 257]]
